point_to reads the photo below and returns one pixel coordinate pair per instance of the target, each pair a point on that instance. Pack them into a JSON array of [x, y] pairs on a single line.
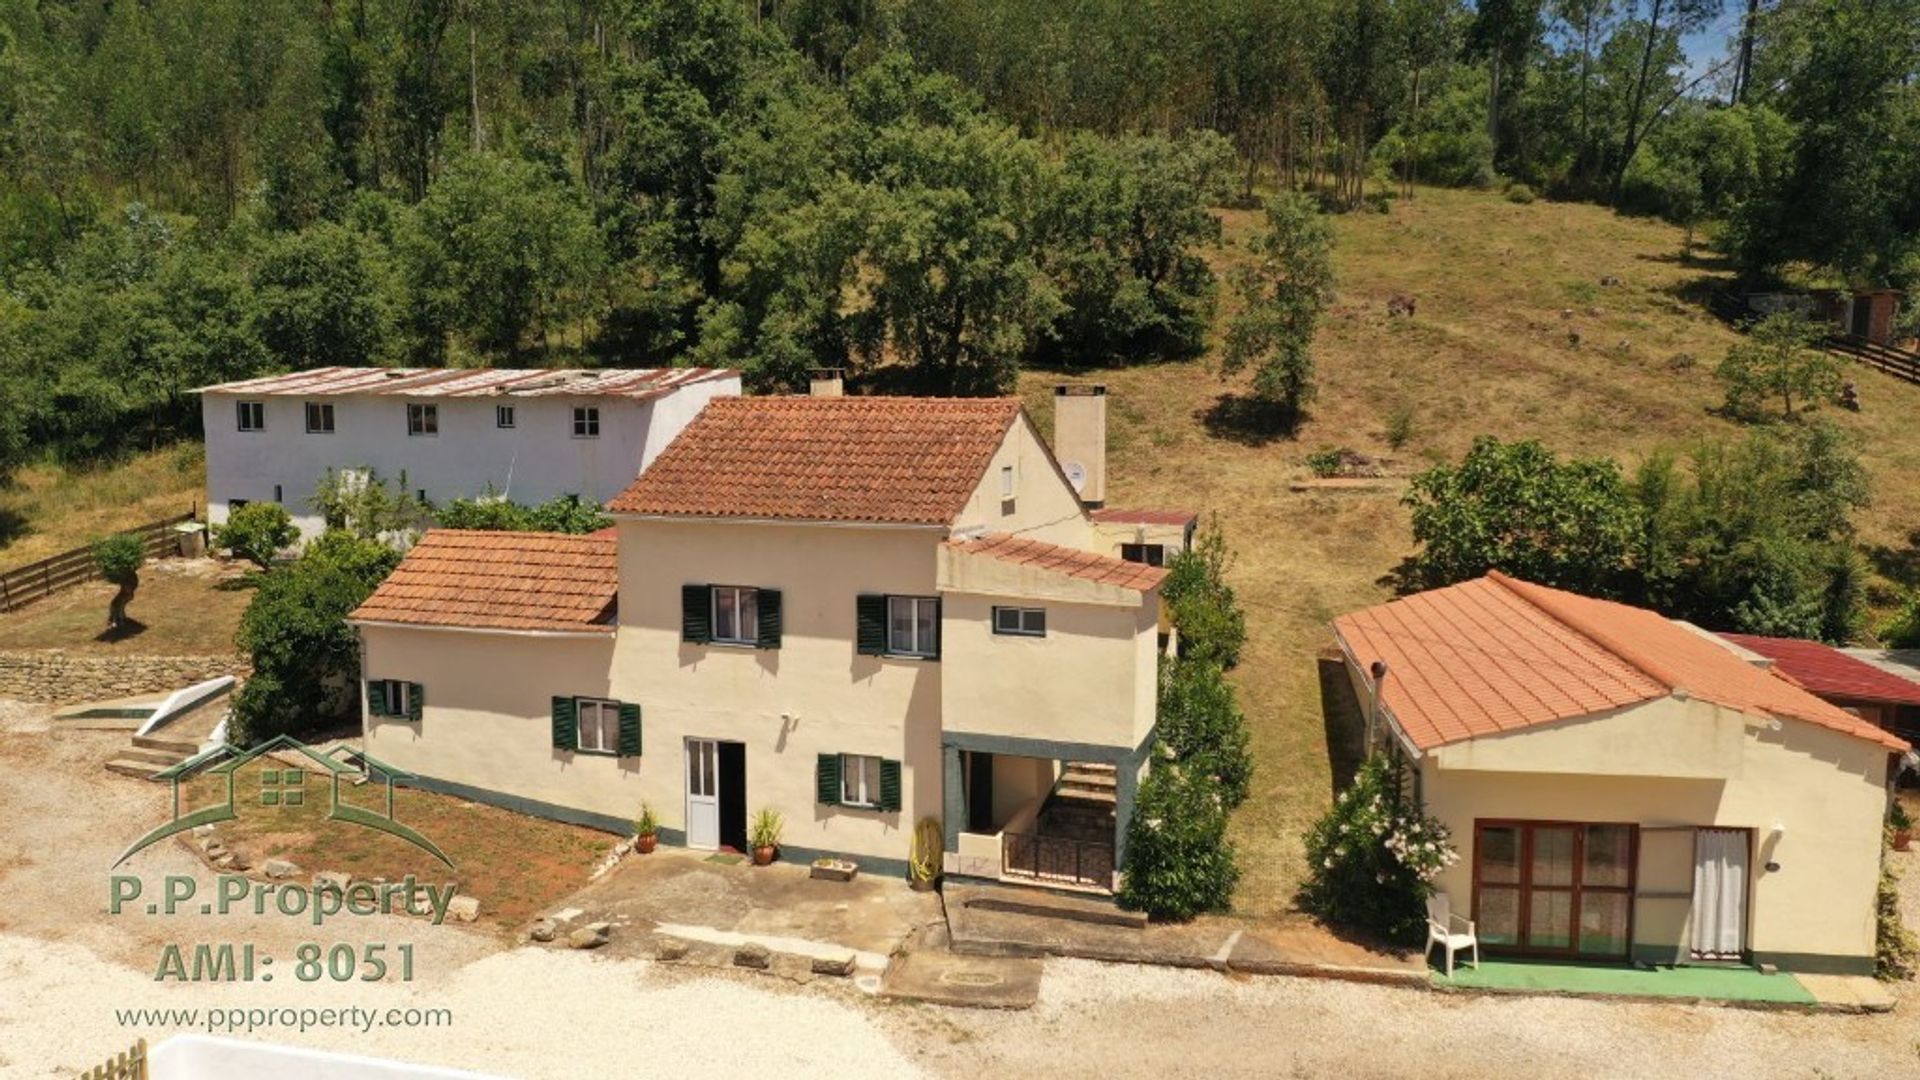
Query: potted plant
[[1902, 826], [923, 861], [765, 835], [646, 830]]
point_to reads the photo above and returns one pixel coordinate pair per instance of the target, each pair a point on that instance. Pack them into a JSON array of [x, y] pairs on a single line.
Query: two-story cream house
[[856, 611]]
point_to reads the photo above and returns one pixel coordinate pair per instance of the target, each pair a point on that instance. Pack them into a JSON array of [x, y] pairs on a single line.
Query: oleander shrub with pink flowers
[[1372, 858]]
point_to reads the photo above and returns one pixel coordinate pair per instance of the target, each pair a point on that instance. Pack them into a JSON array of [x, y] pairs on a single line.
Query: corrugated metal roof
[[1828, 672], [637, 384]]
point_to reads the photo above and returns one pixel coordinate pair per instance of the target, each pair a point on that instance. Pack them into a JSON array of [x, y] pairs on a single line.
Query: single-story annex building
[[1622, 786]]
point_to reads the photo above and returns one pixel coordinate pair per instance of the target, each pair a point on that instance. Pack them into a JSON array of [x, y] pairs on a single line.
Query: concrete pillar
[[1126, 776], [954, 795]]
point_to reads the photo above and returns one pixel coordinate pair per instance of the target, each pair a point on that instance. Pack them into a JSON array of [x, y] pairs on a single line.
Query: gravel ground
[[534, 1012]]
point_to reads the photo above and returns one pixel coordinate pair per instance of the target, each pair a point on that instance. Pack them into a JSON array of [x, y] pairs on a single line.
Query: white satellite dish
[[1076, 475]]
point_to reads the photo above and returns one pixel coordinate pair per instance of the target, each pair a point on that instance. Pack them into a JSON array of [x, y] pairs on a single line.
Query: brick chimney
[[1080, 439], [828, 382]]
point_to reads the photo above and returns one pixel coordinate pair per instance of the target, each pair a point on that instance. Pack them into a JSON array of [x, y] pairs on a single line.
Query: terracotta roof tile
[[1072, 562], [882, 459], [1118, 516], [1496, 654], [501, 581], [1828, 672]]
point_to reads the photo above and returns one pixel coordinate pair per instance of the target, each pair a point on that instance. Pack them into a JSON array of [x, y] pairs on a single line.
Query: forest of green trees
[[931, 192]]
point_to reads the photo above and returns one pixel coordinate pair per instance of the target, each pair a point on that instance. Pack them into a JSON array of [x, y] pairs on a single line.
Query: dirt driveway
[[66, 966]]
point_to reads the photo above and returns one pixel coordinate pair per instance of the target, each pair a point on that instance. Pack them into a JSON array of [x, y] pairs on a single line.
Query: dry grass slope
[[1488, 352], [49, 509]]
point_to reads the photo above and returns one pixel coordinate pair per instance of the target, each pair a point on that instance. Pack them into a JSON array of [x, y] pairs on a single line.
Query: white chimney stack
[[828, 382], [1080, 439]]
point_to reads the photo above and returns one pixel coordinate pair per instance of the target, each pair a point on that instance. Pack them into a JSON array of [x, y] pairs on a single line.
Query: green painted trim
[[1048, 748], [535, 808], [869, 864]]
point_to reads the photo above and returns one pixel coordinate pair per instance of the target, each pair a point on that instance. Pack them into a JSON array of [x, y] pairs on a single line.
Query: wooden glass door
[[1554, 888]]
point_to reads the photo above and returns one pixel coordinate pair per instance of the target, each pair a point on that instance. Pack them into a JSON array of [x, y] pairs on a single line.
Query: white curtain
[[1719, 892]]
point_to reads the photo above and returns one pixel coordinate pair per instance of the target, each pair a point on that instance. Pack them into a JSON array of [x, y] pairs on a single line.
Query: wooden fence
[[69, 568], [1898, 363], [128, 1064]]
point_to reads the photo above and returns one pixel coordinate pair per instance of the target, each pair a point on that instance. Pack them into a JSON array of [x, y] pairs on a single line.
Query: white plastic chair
[[1441, 923]]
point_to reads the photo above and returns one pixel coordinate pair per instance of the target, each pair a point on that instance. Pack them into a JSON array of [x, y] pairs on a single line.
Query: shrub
[[306, 659], [118, 558], [768, 825], [1778, 361], [257, 532], [1201, 603], [1325, 463], [1372, 858], [1399, 425], [1202, 728], [647, 824], [1895, 952], [1520, 194], [560, 514], [1179, 861]]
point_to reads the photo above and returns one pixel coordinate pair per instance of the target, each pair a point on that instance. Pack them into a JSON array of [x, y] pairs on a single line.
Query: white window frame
[[914, 645], [860, 780], [586, 421], [250, 416], [423, 419], [1023, 623], [503, 417], [1007, 482], [745, 631], [606, 719], [322, 410]]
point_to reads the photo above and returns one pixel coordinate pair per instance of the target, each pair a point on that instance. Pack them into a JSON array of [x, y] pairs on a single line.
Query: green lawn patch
[[1711, 983]]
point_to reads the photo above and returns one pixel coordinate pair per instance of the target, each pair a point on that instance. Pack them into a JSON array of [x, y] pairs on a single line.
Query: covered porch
[[1026, 812]]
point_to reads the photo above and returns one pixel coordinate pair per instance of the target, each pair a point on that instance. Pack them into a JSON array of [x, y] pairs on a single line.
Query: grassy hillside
[[49, 509], [1499, 288]]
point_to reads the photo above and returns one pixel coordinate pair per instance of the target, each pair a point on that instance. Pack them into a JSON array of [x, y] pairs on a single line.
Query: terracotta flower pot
[[648, 841], [762, 856], [1902, 839]]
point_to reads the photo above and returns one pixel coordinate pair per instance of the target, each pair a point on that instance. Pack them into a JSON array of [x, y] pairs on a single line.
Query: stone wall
[[60, 677]]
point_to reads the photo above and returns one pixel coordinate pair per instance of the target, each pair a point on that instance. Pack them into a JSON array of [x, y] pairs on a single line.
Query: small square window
[[423, 419], [736, 615], [390, 697], [586, 422], [319, 418], [598, 724], [1150, 554], [913, 626], [1020, 622], [859, 780], [503, 416], [252, 415]]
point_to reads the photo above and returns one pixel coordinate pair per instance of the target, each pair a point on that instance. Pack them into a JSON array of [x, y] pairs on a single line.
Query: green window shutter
[[566, 724], [769, 601], [629, 729], [696, 614], [870, 624], [889, 784], [376, 698], [416, 699], [826, 778]]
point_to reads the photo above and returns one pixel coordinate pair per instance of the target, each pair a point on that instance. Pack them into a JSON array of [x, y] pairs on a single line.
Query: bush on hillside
[[1372, 858], [1201, 726], [1201, 603], [306, 659], [258, 532], [1179, 861]]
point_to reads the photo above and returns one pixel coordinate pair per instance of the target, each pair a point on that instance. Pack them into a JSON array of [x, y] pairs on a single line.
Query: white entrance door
[[1719, 893], [703, 793]]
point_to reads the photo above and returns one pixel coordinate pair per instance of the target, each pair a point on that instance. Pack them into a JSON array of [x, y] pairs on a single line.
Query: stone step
[[1052, 905], [162, 758], [1083, 792], [139, 770], [185, 748]]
